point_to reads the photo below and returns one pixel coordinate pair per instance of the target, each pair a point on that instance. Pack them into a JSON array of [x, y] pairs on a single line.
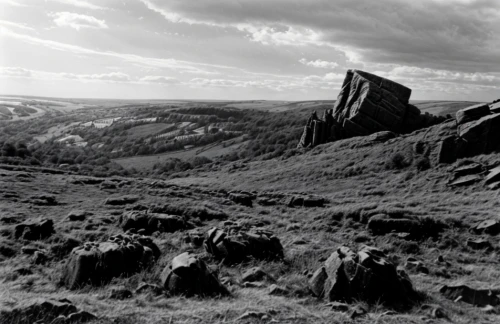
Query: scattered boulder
[[465, 180], [489, 226], [382, 224], [476, 297], [122, 200], [468, 169], [478, 244], [415, 265], [43, 200], [77, 215], [188, 275], [241, 198], [108, 185], [151, 222], [235, 246], [97, 263], [39, 258], [305, 201], [254, 274], [275, 290], [447, 150], [48, 311], [367, 275], [493, 175], [34, 230], [144, 287]]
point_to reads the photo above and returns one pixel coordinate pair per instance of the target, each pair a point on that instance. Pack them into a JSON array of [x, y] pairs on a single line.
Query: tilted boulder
[[97, 263], [34, 230], [151, 222], [366, 104], [236, 246], [244, 199], [472, 113], [366, 275], [188, 275]]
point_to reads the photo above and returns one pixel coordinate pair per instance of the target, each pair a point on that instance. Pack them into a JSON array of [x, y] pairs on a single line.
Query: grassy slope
[[353, 179], [147, 130]]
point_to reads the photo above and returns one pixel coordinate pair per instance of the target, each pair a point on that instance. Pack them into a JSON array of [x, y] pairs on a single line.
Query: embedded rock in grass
[[476, 297], [305, 201], [188, 275], [43, 200], [236, 246], [122, 200], [151, 222], [77, 215], [489, 226], [98, 263], [48, 311], [382, 224], [241, 198], [34, 230], [367, 276]]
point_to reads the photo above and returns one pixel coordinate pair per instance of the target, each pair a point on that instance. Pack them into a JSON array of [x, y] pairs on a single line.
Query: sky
[[247, 49]]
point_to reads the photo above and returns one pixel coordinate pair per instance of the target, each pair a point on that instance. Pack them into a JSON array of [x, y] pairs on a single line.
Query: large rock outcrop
[[367, 275], [366, 104], [97, 263], [188, 275]]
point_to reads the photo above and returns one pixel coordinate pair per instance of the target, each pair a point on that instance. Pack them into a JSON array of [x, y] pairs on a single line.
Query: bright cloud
[[77, 21], [81, 4], [319, 63]]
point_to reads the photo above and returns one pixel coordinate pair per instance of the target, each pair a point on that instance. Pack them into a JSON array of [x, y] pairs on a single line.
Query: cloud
[[16, 25], [15, 72], [319, 64], [159, 79], [77, 21], [451, 35], [81, 4], [12, 3]]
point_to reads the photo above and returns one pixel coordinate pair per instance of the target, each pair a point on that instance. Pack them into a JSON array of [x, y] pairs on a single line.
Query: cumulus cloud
[[15, 72], [81, 4], [77, 21], [319, 63]]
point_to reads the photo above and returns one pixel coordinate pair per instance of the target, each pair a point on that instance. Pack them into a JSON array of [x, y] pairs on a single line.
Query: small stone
[[120, 293], [276, 290], [357, 311], [254, 274]]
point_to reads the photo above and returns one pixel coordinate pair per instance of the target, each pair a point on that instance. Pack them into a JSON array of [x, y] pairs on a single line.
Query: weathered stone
[[305, 201], [476, 297], [254, 274], [151, 222], [188, 275], [466, 180], [240, 245], [144, 287], [241, 198], [43, 312], [490, 226], [493, 175], [382, 224], [481, 136], [97, 263], [478, 244], [122, 200], [472, 113], [34, 230], [77, 215], [43, 200], [413, 264], [275, 290], [473, 168], [366, 275]]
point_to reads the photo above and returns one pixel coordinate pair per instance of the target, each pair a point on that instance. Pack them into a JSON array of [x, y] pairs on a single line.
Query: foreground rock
[[363, 276], [34, 230], [49, 311], [366, 104], [476, 297], [98, 263], [236, 246], [188, 275], [151, 222]]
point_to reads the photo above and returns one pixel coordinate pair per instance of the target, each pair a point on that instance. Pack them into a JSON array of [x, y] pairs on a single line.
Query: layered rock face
[[478, 132], [366, 275], [235, 246], [366, 104], [97, 263]]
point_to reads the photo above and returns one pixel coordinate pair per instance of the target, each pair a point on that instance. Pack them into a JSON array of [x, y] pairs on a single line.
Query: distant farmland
[[147, 130], [210, 151]]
